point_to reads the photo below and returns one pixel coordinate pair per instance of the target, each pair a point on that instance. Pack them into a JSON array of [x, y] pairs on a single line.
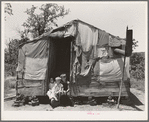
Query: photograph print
[[86, 57]]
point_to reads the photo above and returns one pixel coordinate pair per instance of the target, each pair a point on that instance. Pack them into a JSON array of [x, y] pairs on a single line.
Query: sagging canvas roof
[[71, 29]]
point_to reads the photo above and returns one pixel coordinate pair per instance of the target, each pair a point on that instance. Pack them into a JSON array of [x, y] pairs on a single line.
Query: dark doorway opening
[[61, 63]]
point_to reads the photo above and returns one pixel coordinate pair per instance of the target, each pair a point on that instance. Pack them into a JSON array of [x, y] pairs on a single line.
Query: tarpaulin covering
[[112, 70], [33, 59], [68, 30], [92, 54], [91, 44]]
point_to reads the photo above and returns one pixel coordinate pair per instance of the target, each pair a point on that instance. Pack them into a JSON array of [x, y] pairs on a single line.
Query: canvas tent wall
[[32, 66], [82, 51]]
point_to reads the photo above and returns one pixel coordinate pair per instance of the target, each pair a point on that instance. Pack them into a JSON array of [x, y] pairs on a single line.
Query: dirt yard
[[137, 97]]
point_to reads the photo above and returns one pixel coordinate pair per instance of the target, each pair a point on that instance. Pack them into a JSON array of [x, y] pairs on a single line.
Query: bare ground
[[137, 97]]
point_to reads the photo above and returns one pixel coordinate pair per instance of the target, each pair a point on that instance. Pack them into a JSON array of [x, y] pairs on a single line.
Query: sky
[[113, 17]]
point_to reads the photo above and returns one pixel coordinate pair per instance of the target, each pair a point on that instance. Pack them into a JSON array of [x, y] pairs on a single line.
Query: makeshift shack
[[91, 58]]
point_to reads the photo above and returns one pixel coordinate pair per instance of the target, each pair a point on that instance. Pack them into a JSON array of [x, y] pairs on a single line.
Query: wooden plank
[[9, 98], [32, 88], [71, 63], [101, 90], [101, 94]]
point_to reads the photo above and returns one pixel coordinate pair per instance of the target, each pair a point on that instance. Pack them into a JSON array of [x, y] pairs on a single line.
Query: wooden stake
[[119, 97], [17, 84], [121, 83]]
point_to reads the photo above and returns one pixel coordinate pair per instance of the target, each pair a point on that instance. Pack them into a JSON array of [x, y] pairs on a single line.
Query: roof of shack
[[63, 27]]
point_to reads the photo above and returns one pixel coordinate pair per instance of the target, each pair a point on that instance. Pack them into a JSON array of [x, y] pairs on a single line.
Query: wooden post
[[122, 80], [119, 97], [71, 63], [45, 83], [17, 84]]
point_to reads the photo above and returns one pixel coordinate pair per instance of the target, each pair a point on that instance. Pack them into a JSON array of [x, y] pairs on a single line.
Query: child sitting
[[55, 93], [51, 84]]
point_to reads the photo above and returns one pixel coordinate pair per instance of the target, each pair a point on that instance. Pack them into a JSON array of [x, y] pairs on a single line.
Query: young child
[[51, 84], [55, 93]]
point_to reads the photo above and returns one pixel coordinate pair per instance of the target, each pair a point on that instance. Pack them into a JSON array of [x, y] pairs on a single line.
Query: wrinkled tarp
[[112, 70], [92, 43], [68, 30], [87, 43], [33, 59], [87, 37]]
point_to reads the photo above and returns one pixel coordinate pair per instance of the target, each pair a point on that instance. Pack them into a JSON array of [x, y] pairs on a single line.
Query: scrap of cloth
[[33, 58], [88, 41]]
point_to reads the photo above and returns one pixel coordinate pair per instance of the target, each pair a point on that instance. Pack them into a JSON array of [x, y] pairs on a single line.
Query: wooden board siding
[[100, 89], [31, 88]]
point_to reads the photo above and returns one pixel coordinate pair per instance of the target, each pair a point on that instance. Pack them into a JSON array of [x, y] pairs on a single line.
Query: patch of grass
[[10, 83], [138, 84]]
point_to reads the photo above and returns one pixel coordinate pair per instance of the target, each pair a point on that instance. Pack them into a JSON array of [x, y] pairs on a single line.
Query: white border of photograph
[[72, 115]]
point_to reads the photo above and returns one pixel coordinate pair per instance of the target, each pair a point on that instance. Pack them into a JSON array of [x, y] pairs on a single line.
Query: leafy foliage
[[8, 9], [11, 56], [134, 44], [43, 21], [137, 62]]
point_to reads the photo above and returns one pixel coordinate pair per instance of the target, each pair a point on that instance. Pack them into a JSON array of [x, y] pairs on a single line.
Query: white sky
[[113, 17]]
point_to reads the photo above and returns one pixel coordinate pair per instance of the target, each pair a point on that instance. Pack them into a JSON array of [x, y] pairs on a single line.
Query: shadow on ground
[[133, 101]]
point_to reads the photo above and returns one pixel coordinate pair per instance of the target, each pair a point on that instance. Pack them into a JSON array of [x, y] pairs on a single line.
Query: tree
[[134, 44], [23, 35], [8, 9], [137, 62], [43, 21], [11, 57], [40, 22]]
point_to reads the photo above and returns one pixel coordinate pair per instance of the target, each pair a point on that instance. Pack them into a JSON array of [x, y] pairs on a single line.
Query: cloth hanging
[[103, 38], [88, 42], [86, 37]]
